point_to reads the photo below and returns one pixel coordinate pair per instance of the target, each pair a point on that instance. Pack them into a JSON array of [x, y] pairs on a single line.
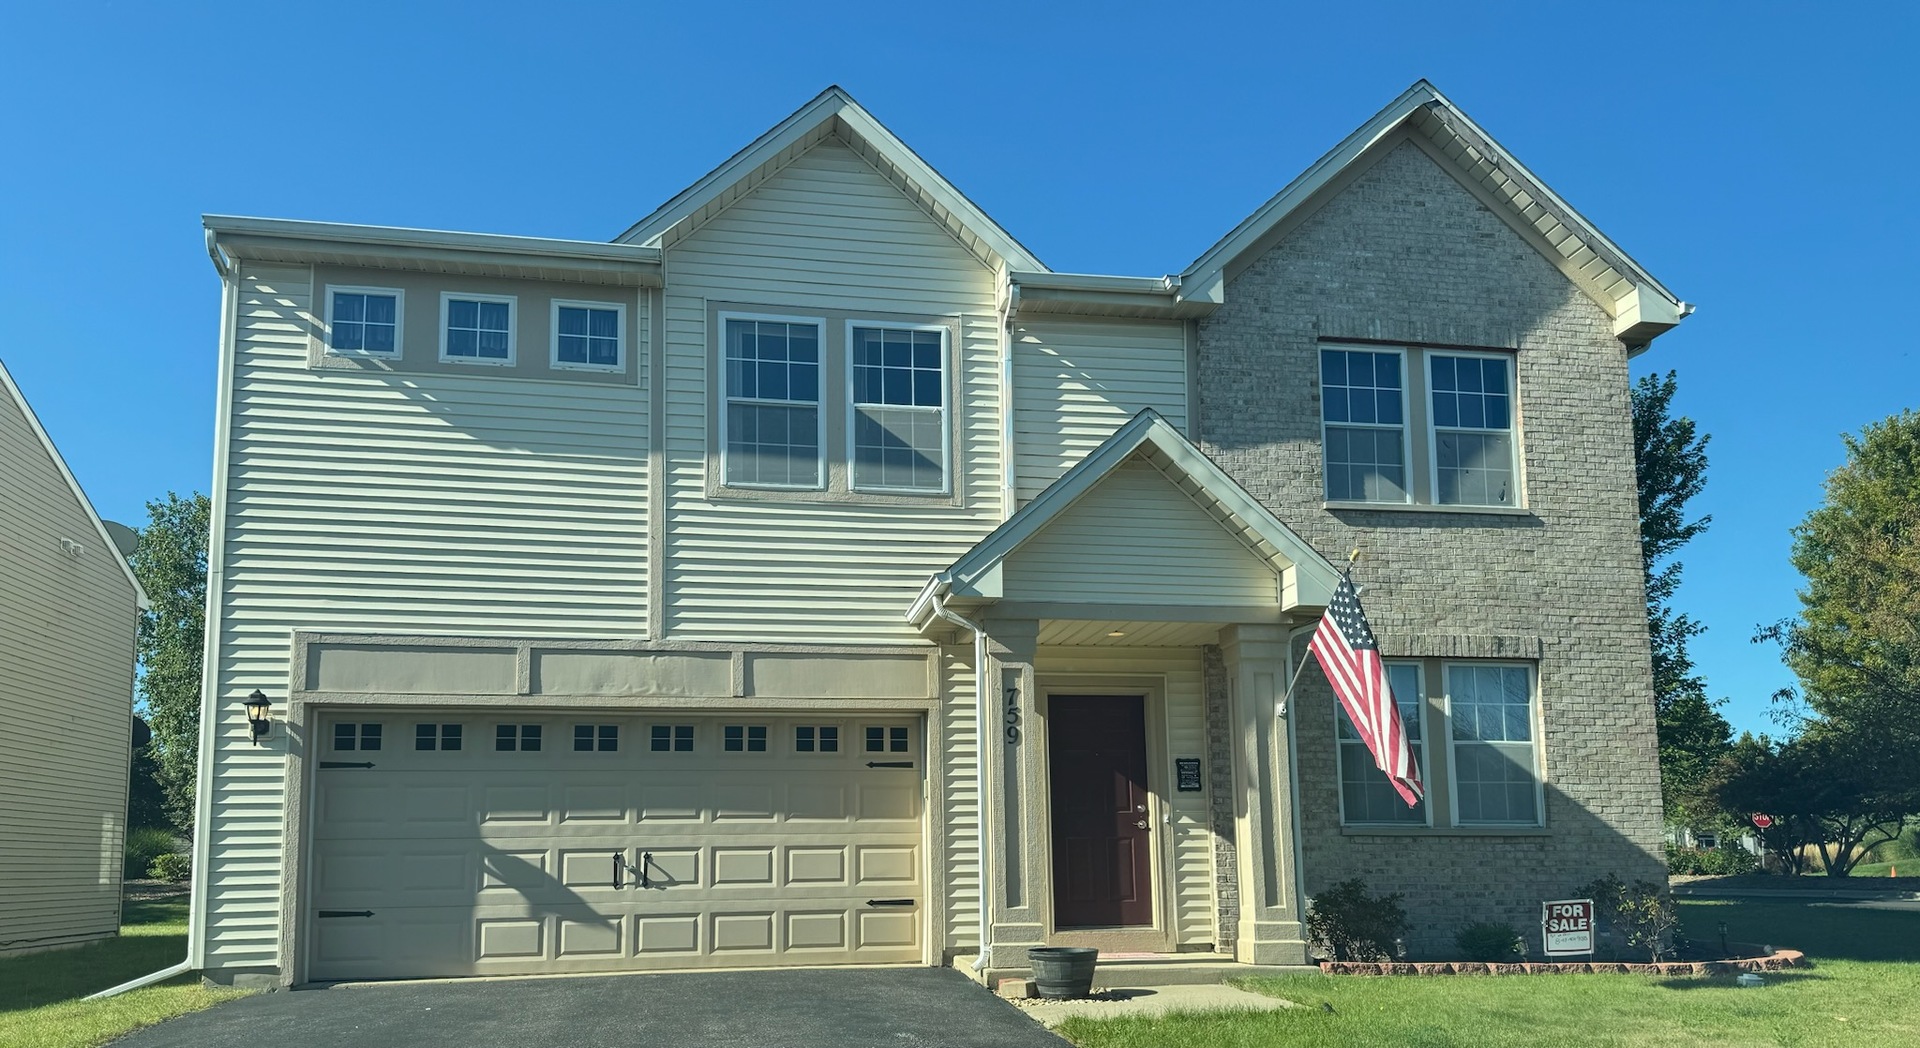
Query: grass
[[40, 993], [1882, 869], [1861, 991]]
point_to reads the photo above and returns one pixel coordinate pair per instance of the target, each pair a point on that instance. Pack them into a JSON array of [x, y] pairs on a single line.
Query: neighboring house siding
[[1152, 545], [1076, 380], [827, 233], [67, 627], [1406, 254], [417, 503]]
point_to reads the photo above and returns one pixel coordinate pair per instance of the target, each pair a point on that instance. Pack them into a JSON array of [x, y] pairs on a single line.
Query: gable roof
[[833, 113], [1641, 306], [1308, 576], [107, 544]]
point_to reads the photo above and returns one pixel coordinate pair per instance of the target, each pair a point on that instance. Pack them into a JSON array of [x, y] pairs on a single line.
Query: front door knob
[[1141, 823]]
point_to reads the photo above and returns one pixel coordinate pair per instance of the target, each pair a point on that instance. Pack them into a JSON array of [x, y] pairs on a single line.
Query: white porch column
[[1272, 928], [1012, 828]]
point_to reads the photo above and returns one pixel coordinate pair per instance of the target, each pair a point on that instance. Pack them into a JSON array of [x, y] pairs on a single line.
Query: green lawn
[[1862, 990], [40, 994]]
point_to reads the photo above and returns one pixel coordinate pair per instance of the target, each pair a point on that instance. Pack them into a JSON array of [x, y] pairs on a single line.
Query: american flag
[[1345, 647]]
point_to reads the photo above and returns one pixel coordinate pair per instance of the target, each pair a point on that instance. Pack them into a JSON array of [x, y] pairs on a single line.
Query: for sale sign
[[1566, 927]]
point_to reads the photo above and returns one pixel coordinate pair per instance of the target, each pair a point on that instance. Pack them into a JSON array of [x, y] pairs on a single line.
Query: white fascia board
[[1313, 577], [829, 104], [1204, 279], [1051, 281], [73, 485], [222, 226]]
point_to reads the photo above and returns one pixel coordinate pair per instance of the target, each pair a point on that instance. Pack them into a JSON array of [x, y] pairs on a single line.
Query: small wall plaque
[[1187, 774]]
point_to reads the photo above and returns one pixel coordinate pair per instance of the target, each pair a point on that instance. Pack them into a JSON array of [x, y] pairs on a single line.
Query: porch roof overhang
[[1305, 579]]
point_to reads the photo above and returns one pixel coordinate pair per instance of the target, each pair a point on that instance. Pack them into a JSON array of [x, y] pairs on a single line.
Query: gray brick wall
[[1406, 254]]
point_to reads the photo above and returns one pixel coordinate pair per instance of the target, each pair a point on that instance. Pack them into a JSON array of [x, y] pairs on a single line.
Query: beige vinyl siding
[[1186, 736], [1076, 380], [67, 628], [411, 503], [958, 737], [826, 233], [1135, 538]]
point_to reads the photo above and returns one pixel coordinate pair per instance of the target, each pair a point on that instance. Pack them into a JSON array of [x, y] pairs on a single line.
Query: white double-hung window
[[898, 408], [1363, 415], [1496, 752], [363, 320], [1366, 797], [770, 423], [1472, 421]]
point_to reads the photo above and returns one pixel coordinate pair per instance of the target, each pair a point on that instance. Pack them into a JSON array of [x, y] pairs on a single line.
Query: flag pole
[[1287, 696]]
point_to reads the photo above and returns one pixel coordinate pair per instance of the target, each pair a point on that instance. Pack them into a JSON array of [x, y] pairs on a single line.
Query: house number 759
[[1013, 716]]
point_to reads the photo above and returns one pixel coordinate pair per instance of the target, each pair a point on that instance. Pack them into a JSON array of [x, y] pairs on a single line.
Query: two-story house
[[811, 576]]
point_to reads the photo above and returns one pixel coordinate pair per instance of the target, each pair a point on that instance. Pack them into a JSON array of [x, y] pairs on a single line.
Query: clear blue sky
[[1758, 158]]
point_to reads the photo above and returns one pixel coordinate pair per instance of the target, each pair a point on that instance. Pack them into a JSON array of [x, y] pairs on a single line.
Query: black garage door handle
[[324, 914], [889, 902]]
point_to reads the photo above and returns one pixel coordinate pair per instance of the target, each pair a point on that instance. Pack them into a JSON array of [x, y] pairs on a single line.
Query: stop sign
[[1763, 821]]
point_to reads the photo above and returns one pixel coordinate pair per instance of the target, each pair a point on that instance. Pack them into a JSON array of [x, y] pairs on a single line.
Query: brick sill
[[1445, 831], [1418, 507]]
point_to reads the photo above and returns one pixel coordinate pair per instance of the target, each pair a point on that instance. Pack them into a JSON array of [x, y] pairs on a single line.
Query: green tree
[[1829, 788], [171, 563], [1670, 467], [1855, 646]]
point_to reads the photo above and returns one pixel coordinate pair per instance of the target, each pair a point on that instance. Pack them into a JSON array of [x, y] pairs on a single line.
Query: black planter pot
[[1061, 972]]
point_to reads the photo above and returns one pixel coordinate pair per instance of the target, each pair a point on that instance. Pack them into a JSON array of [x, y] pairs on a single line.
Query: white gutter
[[982, 728], [145, 980]]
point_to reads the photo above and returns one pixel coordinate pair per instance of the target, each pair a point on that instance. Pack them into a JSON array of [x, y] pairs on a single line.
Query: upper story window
[[1411, 425], [477, 328], [1366, 797], [899, 411], [364, 320], [589, 335], [1496, 755], [770, 426]]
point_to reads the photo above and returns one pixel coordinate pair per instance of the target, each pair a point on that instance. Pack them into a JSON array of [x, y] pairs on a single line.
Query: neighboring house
[[69, 613], [811, 576]]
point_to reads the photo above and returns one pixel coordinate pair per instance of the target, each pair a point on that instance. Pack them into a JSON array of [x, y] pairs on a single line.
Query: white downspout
[[983, 727]]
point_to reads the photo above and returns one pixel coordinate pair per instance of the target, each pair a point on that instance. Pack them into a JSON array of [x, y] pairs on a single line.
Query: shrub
[[145, 844], [1727, 860], [1644, 911], [173, 866], [1350, 925], [1489, 941]]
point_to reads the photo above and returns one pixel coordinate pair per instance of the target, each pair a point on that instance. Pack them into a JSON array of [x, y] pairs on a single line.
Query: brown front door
[[1102, 861]]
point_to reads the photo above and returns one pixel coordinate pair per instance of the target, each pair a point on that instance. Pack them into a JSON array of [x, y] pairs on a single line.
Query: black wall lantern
[[258, 709]]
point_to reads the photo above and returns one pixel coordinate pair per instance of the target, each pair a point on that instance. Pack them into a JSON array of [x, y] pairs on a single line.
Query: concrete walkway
[[1159, 1000]]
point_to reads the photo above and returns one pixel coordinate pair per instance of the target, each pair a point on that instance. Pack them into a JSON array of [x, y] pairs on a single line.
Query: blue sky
[[1757, 158]]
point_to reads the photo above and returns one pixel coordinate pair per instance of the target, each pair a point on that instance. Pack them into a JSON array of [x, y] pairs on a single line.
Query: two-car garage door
[[487, 843]]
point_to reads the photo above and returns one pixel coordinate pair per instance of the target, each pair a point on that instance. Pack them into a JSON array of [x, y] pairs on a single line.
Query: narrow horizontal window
[[744, 738], [824, 738], [436, 736], [596, 737], [516, 737], [672, 738]]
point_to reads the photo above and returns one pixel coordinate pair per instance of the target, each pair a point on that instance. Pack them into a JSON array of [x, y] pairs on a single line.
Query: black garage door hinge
[[889, 764], [324, 914], [346, 764]]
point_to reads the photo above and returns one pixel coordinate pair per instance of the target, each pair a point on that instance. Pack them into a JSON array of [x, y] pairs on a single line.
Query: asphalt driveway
[[872, 1008]]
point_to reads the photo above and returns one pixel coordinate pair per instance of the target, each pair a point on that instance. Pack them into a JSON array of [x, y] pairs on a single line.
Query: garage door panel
[[480, 861]]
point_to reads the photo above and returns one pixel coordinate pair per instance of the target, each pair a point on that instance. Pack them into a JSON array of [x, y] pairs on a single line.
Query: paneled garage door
[[486, 843]]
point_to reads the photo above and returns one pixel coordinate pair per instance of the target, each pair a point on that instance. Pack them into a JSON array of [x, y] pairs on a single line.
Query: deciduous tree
[[171, 563]]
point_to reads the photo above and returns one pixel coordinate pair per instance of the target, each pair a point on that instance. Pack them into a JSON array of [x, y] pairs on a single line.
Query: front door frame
[[1162, 935]]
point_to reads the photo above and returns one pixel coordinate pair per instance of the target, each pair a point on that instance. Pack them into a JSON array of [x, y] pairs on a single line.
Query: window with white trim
[[364, 320], [476, 328], [899, 408], [589, 336], [1366, 797], [1410, 425], [672, 738], [1472, 420], [771, 423], [1363, 415], [1495, 761], [743, 738], [816, 738]]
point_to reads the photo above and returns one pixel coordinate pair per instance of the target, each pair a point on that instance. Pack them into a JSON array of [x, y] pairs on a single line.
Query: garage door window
[[745, 738], [886, 740], [823, 738], [436, 736], [517, 737], [356, 736], [673, 738], [604, 738]]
